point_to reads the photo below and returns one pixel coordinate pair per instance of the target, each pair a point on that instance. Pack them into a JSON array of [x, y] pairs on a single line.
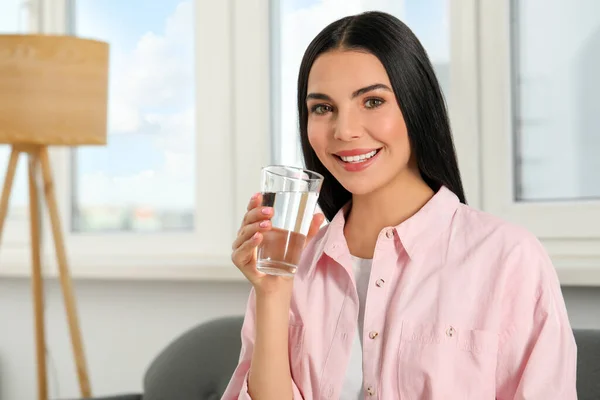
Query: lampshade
[[53, 90]]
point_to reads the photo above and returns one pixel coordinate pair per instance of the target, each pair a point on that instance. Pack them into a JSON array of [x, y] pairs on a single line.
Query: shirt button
[[380, 282], [390, 233], [450, 332], [373, 334], [370, 391]]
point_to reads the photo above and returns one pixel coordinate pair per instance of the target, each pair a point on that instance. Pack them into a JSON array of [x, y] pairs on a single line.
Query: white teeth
[[360, 158]]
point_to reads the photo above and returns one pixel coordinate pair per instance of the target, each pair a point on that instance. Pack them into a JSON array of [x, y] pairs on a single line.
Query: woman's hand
[[257, 221]]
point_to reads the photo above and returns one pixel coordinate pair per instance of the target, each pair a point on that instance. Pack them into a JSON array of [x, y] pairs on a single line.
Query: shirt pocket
[[296, 351], [444, 360]]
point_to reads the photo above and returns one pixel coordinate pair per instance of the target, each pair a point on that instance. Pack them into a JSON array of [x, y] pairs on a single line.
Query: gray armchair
[[588, 364], [198, 364], [195, 366]]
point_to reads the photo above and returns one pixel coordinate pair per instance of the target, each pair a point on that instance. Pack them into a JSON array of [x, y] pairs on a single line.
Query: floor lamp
[[53, 92]]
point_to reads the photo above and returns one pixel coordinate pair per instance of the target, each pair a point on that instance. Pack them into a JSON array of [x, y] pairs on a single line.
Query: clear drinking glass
[[293, 194]]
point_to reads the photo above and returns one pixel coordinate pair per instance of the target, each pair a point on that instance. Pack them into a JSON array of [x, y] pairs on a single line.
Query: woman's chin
[[358, 187]]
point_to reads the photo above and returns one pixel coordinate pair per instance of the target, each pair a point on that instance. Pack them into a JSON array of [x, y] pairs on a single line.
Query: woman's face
[[355, 125]]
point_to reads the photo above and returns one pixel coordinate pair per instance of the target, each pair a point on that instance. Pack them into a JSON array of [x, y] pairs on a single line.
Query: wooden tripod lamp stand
[[53, 92]]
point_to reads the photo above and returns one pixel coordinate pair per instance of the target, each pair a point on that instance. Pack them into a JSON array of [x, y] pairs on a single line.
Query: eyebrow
[[356, 93]]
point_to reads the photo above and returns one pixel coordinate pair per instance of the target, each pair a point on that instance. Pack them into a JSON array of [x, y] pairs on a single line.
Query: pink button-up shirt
[[460, 305]]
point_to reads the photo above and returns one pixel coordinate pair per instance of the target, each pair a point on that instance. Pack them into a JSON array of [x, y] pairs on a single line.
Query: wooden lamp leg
[[36, 277], [40, 156], [65, 277], [8, 183]]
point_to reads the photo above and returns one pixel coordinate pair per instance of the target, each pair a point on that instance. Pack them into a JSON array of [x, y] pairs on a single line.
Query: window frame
[[239, 36], [205, 252], [570, 237]]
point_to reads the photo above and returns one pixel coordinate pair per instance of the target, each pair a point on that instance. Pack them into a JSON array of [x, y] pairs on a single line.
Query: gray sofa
[[198, 364]]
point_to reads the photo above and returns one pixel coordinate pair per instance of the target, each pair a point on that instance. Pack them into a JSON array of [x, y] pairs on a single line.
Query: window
[[159, 196], [144, 179], [555, 80], [521, 104], [202, 95], [160, 199], [540, 129], [296, 22]]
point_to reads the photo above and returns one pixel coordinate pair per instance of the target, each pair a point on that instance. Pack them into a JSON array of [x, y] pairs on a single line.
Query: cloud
[[169, 185], [168, 188], [152, 94], [156, 75], [175, 131]]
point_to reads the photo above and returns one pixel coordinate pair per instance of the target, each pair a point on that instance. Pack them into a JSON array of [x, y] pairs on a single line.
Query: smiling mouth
[[359, 158]]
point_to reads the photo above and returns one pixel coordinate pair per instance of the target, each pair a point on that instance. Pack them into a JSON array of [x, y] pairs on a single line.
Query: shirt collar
[[415, 234], [425, 227]]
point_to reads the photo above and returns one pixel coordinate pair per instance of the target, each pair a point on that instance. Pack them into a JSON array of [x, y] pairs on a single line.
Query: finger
[[255, 201], [315, 225], [246, 253], [257, 214], [247, 231]]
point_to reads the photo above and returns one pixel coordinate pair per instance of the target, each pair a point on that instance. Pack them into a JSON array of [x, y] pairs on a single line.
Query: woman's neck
[[388, 206]]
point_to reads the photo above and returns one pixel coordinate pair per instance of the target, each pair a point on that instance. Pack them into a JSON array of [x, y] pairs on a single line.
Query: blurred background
[[202, 94]]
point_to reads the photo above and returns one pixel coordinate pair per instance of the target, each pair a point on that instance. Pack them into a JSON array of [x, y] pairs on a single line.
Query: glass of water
[[293, 194]]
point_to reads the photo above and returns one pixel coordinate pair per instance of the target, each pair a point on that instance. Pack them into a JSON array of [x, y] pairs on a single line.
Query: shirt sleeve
[[537, 354], [237, 389]]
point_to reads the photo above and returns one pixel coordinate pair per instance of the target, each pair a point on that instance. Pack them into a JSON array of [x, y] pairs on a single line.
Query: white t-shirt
[[353, 382]]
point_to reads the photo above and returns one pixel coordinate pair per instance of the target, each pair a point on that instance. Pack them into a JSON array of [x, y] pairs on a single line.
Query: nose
[[347, 127]]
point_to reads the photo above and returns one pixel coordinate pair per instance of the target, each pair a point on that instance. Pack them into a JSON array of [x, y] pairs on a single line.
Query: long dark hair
[[415, 86]]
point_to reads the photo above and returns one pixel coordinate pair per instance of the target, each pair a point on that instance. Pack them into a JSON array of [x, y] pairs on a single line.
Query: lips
[[357, 159]]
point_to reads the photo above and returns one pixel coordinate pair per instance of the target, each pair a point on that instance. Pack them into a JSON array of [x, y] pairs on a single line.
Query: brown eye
[[373, 103], [320, 109]]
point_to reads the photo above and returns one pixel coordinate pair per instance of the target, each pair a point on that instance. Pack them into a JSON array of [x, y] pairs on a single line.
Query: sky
[[149, 160]]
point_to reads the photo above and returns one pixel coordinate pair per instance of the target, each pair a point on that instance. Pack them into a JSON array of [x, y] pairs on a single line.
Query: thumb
[[315, 225]]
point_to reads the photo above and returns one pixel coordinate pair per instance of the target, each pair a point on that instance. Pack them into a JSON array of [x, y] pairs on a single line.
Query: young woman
[[407, 293]]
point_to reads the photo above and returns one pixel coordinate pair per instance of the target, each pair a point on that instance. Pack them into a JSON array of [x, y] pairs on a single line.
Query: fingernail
[[255, 236], [254, 196], [264, 224], [266, 210]]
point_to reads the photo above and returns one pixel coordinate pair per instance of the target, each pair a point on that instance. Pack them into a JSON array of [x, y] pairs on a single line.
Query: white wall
[[126, 323]]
